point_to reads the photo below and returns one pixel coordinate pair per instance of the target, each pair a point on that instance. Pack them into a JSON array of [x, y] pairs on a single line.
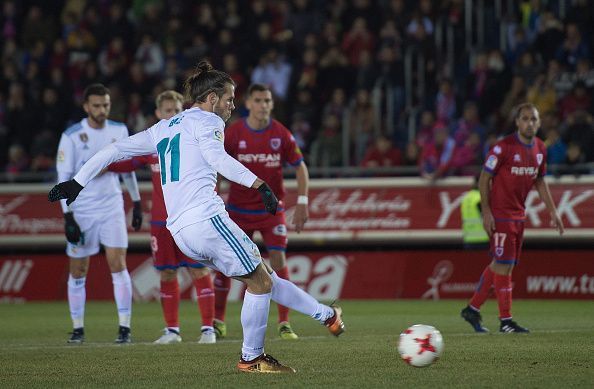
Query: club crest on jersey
[[242, 144], [499, 251], [61, 156], [517, 158], [275, 143], [539, 158], [83, 137], [497, 149], [491, 162], [218, 135], [280, 230]]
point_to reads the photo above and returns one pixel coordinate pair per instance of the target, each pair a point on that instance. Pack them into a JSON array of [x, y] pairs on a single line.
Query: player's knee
[[200, 272], [168, 275]]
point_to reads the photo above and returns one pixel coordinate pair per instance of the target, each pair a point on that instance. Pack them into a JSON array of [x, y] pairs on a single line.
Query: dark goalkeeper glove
[[137, 216], [268, 198], [68, 190], [71, 228]]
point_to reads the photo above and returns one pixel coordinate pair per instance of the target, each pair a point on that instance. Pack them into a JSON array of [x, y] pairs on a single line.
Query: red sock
[[221, 288], [283, 312], [206, 299], [170, 302], [482, 291], [503, 290]]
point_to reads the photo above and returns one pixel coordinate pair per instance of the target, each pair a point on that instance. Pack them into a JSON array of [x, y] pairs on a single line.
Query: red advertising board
[[417, 274], [340, 210]]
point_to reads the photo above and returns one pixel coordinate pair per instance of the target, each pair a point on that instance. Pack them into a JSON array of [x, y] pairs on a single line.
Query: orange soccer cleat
[[335, 324]]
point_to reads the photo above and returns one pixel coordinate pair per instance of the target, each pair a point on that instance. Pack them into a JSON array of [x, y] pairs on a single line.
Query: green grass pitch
[[559, 352]]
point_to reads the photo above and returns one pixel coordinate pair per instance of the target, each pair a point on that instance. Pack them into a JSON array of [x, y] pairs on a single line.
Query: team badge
[[499, 251], [275, 143], [242, 144], [497, 149], [517, 158], [84, 137], [539, 158], [218, 135], [61, 156], [491, 162], [280, 230]]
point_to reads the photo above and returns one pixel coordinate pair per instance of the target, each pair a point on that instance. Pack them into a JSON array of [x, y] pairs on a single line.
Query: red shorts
[[272, 227], [166, 254], [506, 241]]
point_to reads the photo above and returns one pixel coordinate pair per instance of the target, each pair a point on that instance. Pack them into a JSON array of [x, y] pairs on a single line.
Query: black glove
[[65, 190], [137, 216], [71, 228], [268, 198]]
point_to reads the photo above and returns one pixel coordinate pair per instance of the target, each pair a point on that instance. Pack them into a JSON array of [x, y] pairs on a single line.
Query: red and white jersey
[[264, 152], [158, 211], [514, 166]]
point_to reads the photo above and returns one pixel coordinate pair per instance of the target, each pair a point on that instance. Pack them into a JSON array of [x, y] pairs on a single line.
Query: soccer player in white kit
[[98, 216], [191, 152]]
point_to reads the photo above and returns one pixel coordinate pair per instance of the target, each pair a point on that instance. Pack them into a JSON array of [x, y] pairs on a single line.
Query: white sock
[[122, 291], [254, 317], [290, 295], [77, 295]]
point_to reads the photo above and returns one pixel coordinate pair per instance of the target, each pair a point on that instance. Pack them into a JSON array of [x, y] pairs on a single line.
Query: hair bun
[[203, 67]]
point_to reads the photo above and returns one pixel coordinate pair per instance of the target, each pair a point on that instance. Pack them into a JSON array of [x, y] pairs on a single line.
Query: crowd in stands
[[322, 60]]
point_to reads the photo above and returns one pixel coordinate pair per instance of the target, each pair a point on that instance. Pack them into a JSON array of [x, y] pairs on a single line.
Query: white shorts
[[108, 229], [219, 244]]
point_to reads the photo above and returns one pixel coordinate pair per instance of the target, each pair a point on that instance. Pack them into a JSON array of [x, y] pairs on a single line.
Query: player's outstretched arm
[[545, 195]]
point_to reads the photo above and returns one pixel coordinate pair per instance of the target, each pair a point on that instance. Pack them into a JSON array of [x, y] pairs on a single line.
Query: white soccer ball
[[420, 345]]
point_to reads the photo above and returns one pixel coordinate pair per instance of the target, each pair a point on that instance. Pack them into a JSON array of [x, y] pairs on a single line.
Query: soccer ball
[[420, 345]]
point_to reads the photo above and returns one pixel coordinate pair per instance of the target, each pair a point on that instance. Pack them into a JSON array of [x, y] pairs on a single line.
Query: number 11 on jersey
[[173, 151]]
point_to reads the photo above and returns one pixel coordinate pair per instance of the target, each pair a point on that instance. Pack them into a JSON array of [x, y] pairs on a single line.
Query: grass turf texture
[[558, 353]]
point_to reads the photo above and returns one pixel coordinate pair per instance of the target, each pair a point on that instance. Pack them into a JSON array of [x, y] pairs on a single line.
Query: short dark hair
[[95, 89], [258, 88], [205, 80], [522, 107]]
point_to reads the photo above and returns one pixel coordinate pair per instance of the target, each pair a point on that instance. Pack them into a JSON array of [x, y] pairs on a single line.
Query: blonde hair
[[168, 95]]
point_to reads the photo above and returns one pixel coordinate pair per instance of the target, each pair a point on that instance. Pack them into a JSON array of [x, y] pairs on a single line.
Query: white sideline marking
[[107, 344]]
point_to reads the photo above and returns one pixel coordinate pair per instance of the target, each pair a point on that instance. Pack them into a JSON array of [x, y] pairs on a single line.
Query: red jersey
[[263, 152], [158, 211], [514, 166]]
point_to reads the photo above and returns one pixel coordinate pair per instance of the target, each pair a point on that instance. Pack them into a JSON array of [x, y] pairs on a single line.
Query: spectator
[[18, 160], [326, 149], [361, 124], [382, 154], [542, 94], [150, 55], [436, 157], [573, 47], [578, 99]]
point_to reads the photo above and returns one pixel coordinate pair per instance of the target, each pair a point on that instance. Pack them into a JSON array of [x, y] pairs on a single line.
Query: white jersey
[[191, 152], [77, 145]]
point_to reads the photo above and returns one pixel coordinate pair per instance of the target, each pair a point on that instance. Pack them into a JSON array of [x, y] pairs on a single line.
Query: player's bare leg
[[122, 290], [77, 297], [278, 261], [502, 280], [169, 292], [205, 294]]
